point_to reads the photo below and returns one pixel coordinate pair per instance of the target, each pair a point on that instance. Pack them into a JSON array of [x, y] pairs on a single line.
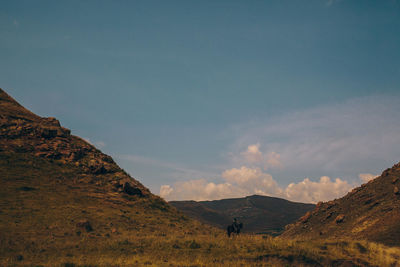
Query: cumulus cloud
[[252, 180], [237, 183], [253, 154], [312, 192], [165, 190], [200, 190], [366, 177], [249, 181], [351, 140]]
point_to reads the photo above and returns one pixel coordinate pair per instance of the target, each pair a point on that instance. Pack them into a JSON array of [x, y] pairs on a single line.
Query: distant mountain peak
[[260, 214]]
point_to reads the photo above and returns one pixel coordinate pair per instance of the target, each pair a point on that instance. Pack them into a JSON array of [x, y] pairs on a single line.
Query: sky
[[207, 100]]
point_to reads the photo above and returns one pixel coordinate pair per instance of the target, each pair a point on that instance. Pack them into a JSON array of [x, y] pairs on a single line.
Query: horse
[[232, 229]]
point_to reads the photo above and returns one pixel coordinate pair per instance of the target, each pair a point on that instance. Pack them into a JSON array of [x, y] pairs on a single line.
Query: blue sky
[[181, 93]]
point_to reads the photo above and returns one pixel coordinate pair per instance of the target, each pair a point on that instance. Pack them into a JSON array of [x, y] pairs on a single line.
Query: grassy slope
[[371, 211], [41, 201]]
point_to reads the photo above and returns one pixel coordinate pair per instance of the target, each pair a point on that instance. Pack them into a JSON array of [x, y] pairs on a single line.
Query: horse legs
[[229, 230]]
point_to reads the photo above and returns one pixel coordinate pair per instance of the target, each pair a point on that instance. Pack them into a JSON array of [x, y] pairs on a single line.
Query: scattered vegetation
[[214, 249], [46, 211]]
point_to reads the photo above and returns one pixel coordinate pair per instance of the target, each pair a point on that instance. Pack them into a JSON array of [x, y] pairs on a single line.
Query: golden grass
[[212, 249], [41, 202], [365, 225]]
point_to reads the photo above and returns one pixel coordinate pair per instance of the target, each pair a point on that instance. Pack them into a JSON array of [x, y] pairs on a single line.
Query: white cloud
[[252, 180], [312, 192], [340, 140], [165, 190], [238, 183], [249, 181], [199, 190], [365, 177], [253, 154]]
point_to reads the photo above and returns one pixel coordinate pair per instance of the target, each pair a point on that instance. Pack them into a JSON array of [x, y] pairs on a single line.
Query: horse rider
[[235, 224]]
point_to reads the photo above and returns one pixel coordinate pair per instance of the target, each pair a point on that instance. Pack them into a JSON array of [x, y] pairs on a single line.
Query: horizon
[[214, 100]]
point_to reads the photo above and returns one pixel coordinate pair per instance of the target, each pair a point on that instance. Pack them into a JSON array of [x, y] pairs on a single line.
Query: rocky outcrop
[[21, 131]]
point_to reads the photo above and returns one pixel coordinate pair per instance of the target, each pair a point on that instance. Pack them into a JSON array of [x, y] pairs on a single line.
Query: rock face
[[371, 211], [22, 131]]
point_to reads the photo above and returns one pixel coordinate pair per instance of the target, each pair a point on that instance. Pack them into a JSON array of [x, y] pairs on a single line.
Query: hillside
[[60, 193], [371, 211], [259, 214]]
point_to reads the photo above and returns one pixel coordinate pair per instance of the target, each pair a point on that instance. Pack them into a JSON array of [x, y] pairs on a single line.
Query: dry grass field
[[43, 201], [213, 249]]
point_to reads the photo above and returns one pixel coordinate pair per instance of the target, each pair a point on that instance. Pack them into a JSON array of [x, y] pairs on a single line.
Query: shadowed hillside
[[371, 211], [260, 214]]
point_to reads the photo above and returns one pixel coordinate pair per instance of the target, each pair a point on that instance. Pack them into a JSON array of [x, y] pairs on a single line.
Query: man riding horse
[[235, 227]]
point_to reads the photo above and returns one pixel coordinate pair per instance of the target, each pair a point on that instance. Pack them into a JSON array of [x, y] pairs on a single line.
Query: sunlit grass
[[213, 249], [38, 228]]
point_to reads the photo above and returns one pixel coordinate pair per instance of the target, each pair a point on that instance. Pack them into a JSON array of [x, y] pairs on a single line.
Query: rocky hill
[[21, 131], [61, 196], [259, 214], [371, 211]]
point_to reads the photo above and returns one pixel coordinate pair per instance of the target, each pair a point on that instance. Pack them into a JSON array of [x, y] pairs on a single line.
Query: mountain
[[259, 214], [59, 193], [371, 212]]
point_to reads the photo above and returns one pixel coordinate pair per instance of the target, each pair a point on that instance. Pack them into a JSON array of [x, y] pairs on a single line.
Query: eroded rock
[[340, 218], [131, 190]]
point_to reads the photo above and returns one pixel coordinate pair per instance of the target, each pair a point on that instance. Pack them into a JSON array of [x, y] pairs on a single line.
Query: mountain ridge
[[260, 214]]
